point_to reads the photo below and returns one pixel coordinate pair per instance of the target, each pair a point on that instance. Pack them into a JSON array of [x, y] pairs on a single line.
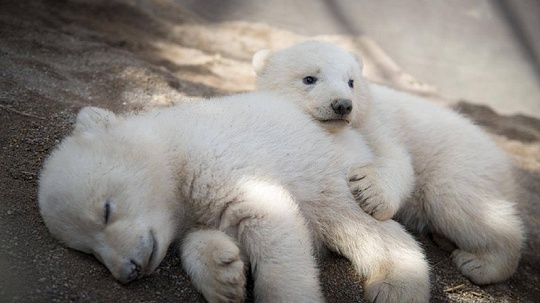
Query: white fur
[[439, 170], [247, 178]]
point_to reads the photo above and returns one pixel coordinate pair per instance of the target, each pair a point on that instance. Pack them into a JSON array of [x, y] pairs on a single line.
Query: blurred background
[[485, 52]]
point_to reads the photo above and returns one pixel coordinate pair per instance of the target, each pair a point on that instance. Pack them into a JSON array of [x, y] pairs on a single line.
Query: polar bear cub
[[433, 167], [246, 178]]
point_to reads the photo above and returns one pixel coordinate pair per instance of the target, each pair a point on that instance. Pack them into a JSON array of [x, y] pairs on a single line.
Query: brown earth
[[58, 56]]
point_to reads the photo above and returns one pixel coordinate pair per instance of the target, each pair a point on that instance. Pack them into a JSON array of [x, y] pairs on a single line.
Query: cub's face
[[105, 197], [323, 79]]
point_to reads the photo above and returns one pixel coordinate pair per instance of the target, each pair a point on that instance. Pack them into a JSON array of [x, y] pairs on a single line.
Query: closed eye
[[107, 210]]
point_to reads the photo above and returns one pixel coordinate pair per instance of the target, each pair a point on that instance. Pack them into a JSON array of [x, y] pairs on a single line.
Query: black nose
[[135, 271], [342, 106]]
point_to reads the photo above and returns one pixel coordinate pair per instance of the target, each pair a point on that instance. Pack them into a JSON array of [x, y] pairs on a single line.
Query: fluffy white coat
[[246, 178], [433, 168]]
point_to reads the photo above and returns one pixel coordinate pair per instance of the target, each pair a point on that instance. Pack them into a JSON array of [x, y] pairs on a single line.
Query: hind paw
[[398, 292], [483, 269]]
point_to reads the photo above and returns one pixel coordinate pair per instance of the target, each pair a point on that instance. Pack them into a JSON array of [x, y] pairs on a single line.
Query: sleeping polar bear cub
[[246, 178], [434, 168]]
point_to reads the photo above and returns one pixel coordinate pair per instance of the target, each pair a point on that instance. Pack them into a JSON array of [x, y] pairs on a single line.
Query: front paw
[[369, 193], [215, 265], [226, 276]]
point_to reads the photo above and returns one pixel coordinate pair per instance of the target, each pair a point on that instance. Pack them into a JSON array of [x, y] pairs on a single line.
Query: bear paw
[[478, 269], [385, 292], [369, 193], [215, 265], [226, 276]]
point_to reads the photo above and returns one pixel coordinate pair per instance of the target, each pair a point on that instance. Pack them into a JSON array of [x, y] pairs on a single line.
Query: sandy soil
[[58, 56]]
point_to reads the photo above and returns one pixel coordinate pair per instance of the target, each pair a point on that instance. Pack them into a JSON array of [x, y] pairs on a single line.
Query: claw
[[375, 209], [356, 178], [365, 203], [359, 193]]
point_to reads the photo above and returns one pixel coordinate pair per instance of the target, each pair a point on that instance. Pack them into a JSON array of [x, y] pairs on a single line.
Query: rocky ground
[[58, 56]]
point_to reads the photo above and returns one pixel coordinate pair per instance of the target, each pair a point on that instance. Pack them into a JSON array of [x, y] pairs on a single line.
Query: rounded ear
[[359, 61], [260, 59], [93, 118]]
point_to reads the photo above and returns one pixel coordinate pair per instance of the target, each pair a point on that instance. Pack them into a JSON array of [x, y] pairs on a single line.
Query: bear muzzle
[[342, 106], [130, 271], [141, 260]]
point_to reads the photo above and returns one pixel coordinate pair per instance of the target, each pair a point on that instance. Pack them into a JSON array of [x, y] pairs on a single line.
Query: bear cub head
[[106, 193], [323, 79]]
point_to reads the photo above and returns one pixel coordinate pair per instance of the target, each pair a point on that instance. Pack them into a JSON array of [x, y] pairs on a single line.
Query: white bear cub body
[[433, 168], [247, 178]]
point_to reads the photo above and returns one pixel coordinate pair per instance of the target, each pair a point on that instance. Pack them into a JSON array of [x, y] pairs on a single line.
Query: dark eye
[[107, 210], [351, 83], [309, 80]]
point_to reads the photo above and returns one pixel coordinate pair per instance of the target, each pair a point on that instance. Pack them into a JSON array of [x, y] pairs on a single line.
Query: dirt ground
[[58, 56]]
